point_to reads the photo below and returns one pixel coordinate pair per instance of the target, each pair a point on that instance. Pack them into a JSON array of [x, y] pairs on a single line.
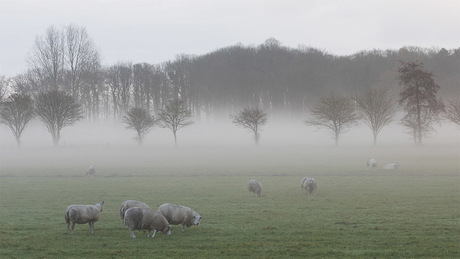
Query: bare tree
[[251, 118], [81, 57], [119, 79], [140, 120], [376, 109], [57, 110], [46, 59], [175, 116], [453, 111], [16, 112], [334, 112], [419, 100]]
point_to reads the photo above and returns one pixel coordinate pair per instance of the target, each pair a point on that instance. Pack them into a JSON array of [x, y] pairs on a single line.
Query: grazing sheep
[[302, 182], [82, 214], [90, 171], [176, 214], [255, 187], [130, 204], [310, 185], [146, 219], [391, 166], [372, 163]]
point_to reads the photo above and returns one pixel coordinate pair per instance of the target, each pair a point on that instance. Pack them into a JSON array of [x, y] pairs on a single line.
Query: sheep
[[372, 163], [391, 166], [302, 182], [146, 219], [255, 187], [82, 214], [177, 214], [130, 204], [90, 171], [309, 185]]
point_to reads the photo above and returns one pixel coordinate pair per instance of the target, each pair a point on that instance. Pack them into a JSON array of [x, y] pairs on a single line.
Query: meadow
[[412, 212]]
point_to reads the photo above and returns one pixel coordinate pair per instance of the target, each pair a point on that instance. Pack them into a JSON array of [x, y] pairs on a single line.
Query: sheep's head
[[196, 219], [100, 205]]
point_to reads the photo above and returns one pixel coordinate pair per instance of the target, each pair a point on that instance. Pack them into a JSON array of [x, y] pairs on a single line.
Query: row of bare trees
[[270, 76]]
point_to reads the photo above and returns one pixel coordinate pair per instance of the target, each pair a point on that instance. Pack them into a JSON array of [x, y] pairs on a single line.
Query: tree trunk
[[56, 139], [175, 139], [256, 137]]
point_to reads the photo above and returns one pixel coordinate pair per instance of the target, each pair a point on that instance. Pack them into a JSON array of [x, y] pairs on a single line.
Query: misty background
[[274, 65]]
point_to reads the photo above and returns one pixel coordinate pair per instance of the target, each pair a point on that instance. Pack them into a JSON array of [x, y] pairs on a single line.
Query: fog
[[206, 147]]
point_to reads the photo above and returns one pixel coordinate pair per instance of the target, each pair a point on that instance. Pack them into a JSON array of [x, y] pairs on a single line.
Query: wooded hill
[[283, 79]]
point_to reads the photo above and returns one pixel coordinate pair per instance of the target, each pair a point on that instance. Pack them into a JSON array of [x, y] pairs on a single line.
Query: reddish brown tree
[[419, 99]]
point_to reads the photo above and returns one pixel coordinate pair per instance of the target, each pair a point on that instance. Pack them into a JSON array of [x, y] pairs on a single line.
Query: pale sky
[[154, 31]]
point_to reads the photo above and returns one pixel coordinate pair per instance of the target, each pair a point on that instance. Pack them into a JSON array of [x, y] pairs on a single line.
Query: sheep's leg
[[148, 234], [131, 233], [154, 232], [182, 228], [73, 226], [68, 228], [91, 226]]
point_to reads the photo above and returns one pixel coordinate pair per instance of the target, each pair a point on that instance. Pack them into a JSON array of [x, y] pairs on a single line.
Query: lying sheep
[[309, 185], [176, 214], [130, 204], [90, 171], [146, 219], [255, 187], [82, 214], [391, 166], [372, 163]]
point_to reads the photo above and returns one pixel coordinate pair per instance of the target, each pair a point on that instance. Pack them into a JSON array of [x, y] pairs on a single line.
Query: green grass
[[409, 213]]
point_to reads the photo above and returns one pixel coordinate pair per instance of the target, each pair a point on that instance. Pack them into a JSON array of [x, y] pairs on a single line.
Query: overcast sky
[[154, 31]]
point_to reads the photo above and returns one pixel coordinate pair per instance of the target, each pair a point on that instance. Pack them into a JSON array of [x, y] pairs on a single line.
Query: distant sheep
[[90, 171], [177, 214], [372, 163], [82, 214], [391, 166], [146, 219], [130, 204], [303, 181], [255, 187], [309, 185]]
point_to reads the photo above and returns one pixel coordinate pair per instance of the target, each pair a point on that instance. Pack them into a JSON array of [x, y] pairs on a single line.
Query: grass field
[[412, 212]]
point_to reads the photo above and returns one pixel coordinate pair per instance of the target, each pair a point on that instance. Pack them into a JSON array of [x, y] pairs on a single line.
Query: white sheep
[[309, 185], [303, 181], [82, 214], [391, 166], [146, 219], [130, 204], [255, 187], [177, 214], [90, 171], [372, 163]]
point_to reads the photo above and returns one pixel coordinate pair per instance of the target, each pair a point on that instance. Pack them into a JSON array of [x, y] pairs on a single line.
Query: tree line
[[270, 77]]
